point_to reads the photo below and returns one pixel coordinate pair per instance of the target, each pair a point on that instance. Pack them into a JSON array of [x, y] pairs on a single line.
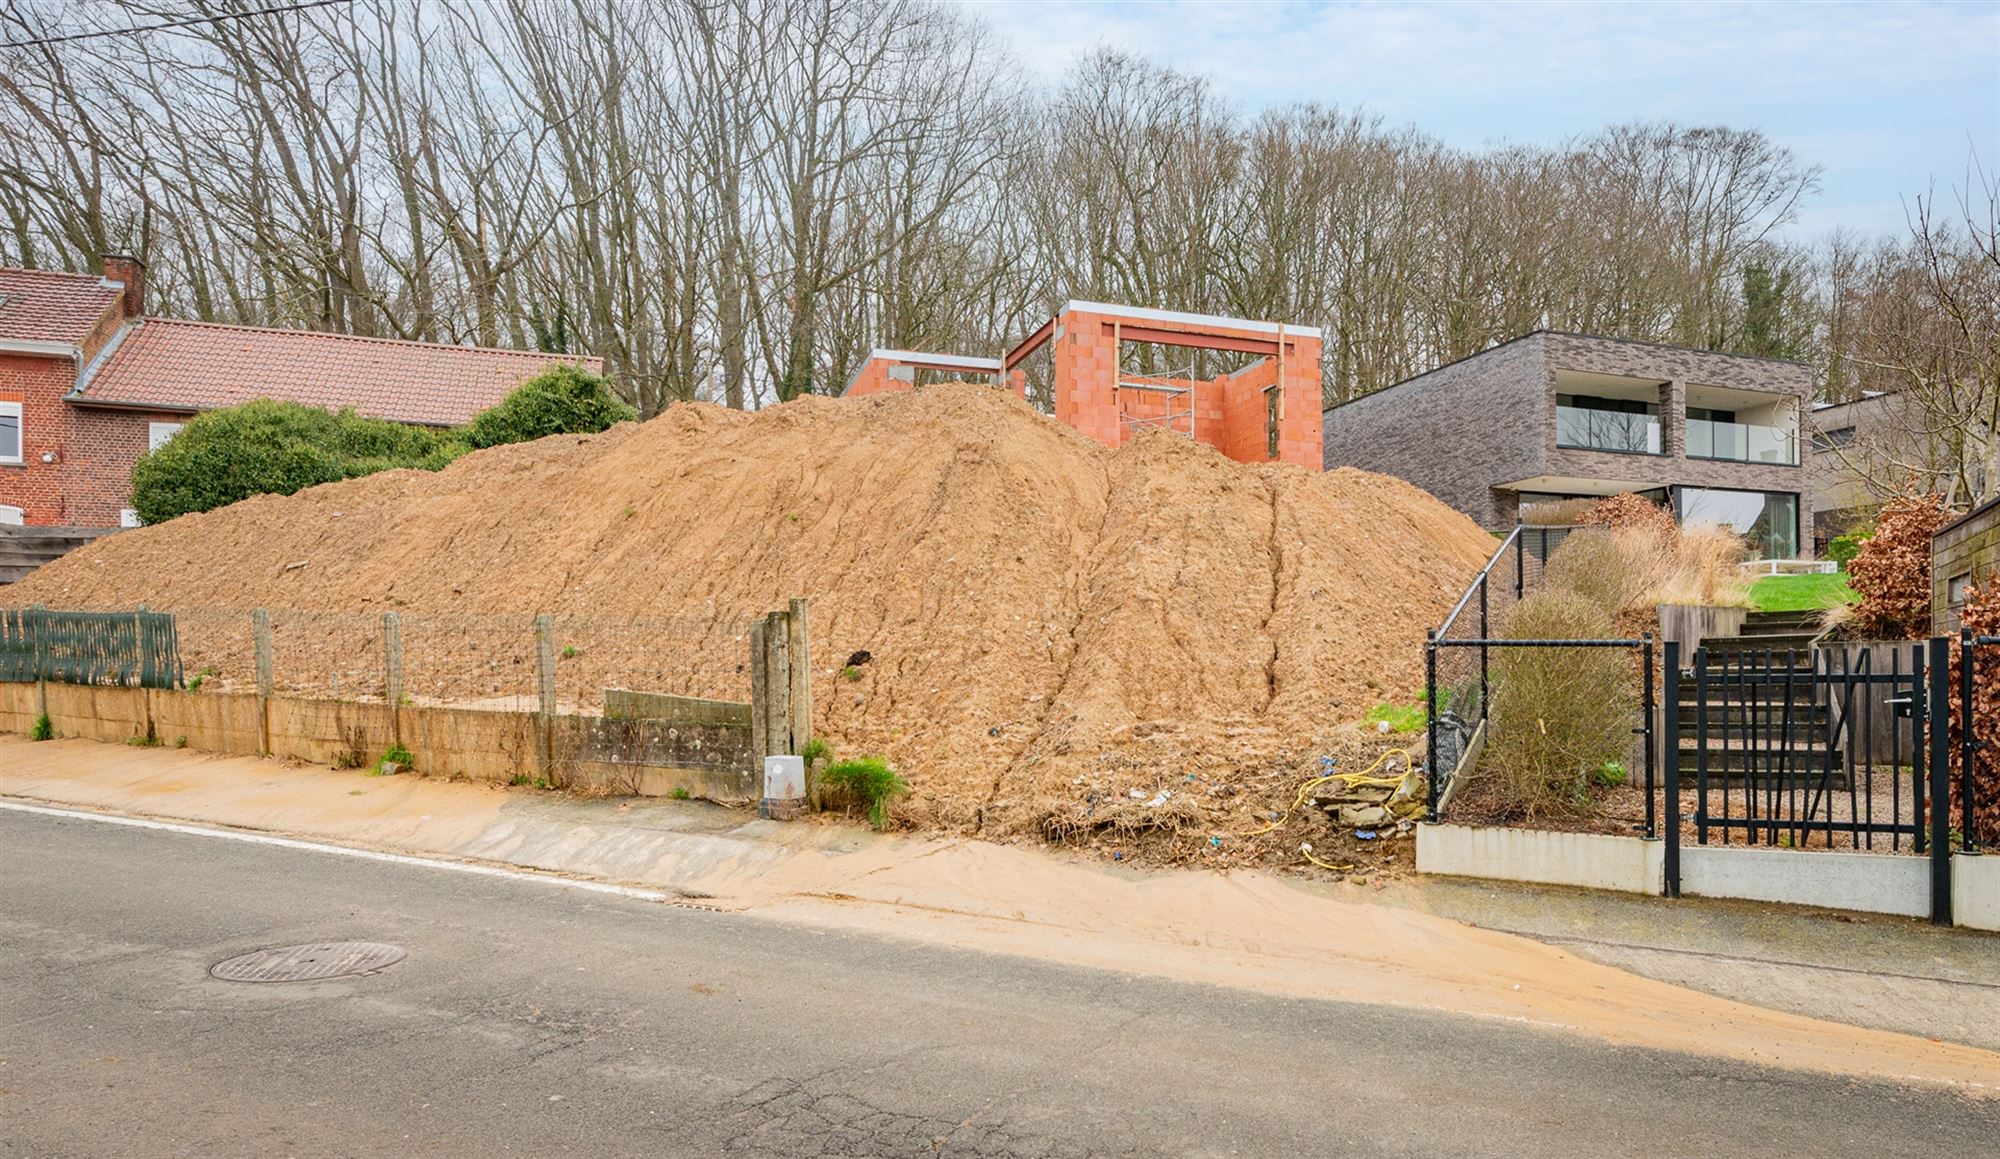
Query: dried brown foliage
[[1630, 510], [1982, 615], [1892, 573]]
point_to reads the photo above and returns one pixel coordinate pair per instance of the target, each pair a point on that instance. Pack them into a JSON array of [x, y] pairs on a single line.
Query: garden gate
[[1811, 748]]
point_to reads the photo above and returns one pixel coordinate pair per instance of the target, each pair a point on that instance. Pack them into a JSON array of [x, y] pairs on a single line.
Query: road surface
[[530, 1019]]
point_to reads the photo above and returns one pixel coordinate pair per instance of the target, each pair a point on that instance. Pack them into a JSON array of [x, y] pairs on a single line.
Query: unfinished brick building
[[1264, 411]]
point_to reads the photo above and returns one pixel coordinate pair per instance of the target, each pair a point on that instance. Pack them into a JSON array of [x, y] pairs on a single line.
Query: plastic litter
[[1364, 835]]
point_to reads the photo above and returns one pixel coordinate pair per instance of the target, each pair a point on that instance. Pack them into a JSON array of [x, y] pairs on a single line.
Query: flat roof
[[1565, 334], [1144, 314], [959, 361]]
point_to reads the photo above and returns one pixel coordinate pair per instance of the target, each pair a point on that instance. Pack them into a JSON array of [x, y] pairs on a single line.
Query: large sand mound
[[1052, 624]]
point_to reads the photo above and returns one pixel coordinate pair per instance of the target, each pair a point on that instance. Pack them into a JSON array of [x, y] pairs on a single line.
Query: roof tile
[[175, 364], [48, 306]]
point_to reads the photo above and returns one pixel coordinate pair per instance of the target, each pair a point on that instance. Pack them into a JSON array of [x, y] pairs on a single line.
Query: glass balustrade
[[1606, 430], [1742, 442]]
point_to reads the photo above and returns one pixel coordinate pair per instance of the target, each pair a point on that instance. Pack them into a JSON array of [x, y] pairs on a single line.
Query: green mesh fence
[[127, 649]]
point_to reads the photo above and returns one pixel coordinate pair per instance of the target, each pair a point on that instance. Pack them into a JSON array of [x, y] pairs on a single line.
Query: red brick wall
[[98, 479], [38, 384]]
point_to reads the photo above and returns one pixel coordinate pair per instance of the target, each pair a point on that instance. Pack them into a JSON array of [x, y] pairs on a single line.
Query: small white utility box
[[784, 788]]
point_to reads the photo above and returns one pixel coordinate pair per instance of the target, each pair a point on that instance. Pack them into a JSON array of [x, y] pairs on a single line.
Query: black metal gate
[[1811, 748]]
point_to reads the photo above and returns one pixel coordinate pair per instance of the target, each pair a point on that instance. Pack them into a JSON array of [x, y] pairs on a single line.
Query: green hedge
[[277, 448], [561, 400]]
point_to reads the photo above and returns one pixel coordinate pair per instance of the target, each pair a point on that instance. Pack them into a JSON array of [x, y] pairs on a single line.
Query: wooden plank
[[760, 703]]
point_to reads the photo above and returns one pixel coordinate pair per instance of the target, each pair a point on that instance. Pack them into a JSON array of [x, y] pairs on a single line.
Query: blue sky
[[1883, 96]]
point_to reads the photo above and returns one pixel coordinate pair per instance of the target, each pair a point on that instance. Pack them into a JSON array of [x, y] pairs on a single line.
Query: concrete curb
[[1589, 860]]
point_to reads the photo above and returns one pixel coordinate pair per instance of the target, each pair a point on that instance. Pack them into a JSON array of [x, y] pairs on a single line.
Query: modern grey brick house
[[1559, 416]]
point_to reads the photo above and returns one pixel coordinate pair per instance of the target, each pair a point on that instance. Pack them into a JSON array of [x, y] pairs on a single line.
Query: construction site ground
[[1787, 988], [1144, 652]]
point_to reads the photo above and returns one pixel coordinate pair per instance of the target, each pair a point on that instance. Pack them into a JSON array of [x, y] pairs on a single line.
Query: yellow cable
[[1350, 780]]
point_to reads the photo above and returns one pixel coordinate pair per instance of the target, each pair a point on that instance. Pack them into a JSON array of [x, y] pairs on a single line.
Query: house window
[[11, 516], [10, 432], [129, 517], [1824, 441], [157, 434], [1955, 588], [1271, 422], [1768, 519]]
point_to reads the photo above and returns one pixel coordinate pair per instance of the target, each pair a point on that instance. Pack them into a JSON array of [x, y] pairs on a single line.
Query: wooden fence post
[[800, 658], [778, 680], [139, 656], [545, 675], [261, 622], [760, 709], [392, 672]]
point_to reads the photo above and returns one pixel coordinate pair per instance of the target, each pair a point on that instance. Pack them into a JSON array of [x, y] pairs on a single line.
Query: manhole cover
[[308, 963]]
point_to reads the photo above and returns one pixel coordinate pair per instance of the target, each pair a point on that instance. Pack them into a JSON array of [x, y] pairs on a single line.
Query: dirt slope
[[1052, 624]]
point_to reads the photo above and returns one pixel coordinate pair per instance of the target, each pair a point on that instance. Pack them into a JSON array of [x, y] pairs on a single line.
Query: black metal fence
[[128, 649], [1458, 656], [1795, 749]]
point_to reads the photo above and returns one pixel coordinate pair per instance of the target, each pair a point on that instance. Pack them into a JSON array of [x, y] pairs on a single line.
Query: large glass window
[[1607, 424], [1768, 519]]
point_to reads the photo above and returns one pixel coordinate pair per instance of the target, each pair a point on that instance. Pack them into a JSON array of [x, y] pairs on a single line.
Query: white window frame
[[155, 439], [20, 454], [11, 516], [129, 517]]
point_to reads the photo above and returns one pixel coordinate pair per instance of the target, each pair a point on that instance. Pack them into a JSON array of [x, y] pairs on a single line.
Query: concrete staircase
[[1759, 729], [23, 549]]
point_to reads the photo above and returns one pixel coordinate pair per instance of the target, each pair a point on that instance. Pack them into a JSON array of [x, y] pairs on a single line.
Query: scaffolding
[[1174, 392]]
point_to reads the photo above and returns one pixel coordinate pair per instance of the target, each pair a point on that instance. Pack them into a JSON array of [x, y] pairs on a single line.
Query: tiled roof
[[177, 365], [46, 306]]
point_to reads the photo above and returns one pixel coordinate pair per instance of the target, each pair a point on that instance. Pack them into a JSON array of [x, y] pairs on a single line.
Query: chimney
[[132, 273]]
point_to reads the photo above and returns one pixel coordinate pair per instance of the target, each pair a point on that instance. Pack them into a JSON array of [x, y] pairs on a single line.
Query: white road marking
[[473, 868]]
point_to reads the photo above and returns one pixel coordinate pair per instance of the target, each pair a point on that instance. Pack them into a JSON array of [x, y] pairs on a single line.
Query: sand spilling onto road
[[1249, 930]]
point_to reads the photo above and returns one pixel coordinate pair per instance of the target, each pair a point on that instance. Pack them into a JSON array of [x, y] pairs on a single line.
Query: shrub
[[1628, 571], [1892, 571], [1982, 615], [277, 448], [1559, 715], [1842, 549], [44, 729], [868, 782], [560, 400], [270, 448], [1630, 510]]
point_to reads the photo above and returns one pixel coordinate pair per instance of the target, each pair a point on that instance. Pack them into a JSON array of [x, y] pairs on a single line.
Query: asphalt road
[[533, 1020]]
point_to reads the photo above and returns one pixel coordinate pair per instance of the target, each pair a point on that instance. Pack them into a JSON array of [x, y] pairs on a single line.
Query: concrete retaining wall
[[1867, 882], [705, 756], [1975, 891], [1591, 860]]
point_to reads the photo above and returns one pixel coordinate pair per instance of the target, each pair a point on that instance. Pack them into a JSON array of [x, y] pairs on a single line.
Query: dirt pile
[[1053, 626]]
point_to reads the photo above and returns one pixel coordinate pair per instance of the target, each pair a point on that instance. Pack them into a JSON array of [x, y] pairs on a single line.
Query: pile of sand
[[1052, 624]]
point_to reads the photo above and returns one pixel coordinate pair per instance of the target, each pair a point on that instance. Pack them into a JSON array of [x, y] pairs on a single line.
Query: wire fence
[[1459, 662], [474, 660]]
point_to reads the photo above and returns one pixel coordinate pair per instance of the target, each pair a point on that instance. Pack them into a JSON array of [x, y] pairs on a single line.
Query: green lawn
[[1801, 593]]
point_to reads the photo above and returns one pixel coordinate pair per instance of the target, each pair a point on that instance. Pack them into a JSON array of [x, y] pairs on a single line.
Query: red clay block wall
[[873, 378]]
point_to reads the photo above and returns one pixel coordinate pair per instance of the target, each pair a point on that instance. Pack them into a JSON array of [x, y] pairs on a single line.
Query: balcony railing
[[1607, 430], [1742, 442]]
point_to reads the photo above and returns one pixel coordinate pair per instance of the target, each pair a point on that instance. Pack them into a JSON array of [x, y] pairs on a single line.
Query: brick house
[[1265, 410], [89, 383], [1552, 416]]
